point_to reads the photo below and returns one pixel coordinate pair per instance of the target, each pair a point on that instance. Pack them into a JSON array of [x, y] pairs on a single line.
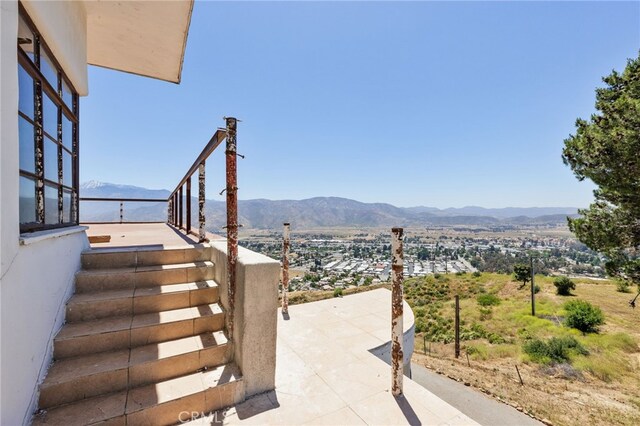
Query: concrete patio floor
[[325, 374], [142, 234]]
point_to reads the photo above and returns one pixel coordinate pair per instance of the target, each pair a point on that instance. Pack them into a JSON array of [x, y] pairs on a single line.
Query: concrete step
[[73, 379], [95, 280], [109, 258], [159, 403], [110, 334], [133, 301]]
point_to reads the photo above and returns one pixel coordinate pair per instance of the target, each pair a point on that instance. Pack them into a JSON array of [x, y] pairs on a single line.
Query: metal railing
[[176, 204], [180, 200]]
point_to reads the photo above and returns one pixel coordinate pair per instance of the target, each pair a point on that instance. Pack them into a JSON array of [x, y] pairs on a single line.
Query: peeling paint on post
[[169, 210], [201, 200], [396, 311], [285, 269], [232, 218]]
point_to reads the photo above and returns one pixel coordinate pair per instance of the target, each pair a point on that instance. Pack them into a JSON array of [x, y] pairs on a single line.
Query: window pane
[[66, 206], [50, 116], [47, 69], [27, 151], [25, 88], [66, 95], [50, 160], [26, 39], [67, 132], [27, 200], [67, 173], [50, 205]]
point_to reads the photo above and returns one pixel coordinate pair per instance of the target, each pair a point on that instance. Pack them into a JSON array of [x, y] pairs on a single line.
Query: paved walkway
[[325, 374], [474, 404]]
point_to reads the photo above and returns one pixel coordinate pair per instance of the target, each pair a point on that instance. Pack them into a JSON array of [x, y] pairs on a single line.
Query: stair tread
[[145, 268], [101, 250], [105, 407], [106, 325], [84, 412], [96, 296], [69, 369], [180, 387]]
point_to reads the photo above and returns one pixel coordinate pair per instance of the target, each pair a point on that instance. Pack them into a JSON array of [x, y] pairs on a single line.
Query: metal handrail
[[217, 138], [137, 200], [175, 205], [175, 199]]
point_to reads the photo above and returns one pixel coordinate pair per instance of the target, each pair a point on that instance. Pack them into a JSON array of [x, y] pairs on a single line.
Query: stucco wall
[[408, 339], [34, 292], [63, 24], [36, 279], [256, 314]]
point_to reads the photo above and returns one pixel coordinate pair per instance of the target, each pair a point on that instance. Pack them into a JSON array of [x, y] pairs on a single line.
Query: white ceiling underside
[[140, 37]]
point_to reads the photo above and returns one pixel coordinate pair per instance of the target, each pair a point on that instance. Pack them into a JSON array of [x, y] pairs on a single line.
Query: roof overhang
[[147, 38]]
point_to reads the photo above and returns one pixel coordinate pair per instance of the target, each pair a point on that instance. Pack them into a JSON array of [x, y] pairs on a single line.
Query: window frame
[[41, 88]]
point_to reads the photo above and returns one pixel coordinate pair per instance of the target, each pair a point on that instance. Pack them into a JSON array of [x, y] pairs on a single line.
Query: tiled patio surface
[[142, 234], [325, 374]]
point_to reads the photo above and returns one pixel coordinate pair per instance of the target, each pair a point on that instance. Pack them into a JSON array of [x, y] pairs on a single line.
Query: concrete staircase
[[144, 341]]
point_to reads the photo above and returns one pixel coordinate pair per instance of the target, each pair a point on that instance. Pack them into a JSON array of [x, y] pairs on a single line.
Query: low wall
[[33, 294], [256, 310], [408, 338]]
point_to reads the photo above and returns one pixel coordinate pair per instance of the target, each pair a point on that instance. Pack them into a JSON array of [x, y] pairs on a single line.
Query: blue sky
[[438, 104]]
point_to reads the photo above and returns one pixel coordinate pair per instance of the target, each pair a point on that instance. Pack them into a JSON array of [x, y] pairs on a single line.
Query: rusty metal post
[[396, 311], [188, 226], [232, 218], [457, 325], [169, 215], [285, 269], [120, 211], [180, 211], [202, 237]]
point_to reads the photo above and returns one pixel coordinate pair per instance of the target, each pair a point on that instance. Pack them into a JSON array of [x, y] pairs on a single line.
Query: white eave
[[147, 38]]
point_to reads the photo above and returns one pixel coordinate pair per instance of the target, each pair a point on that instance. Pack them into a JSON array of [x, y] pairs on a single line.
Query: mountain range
[[311, 212]]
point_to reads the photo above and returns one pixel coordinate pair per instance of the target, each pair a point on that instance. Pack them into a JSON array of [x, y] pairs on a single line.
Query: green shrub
[[564, 286], [488, 299], [555, 350], [485, 312], [496, 339], [622, 286], [583, 316], [536, 289], [477, 274], [437, 276], [337, 292]]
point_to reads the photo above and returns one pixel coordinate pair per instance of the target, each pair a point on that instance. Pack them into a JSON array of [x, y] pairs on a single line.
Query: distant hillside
[[312, 212]]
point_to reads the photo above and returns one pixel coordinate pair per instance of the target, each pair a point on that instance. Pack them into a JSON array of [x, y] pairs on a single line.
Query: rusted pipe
[[232, 219], [396, 311], [202, 232], [285, 268]]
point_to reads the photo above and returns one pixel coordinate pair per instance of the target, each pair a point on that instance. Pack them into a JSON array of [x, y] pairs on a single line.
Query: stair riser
[[92, 310], [93, 282], [202, 402], [128, 259], [133, 376], [122, 339]]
